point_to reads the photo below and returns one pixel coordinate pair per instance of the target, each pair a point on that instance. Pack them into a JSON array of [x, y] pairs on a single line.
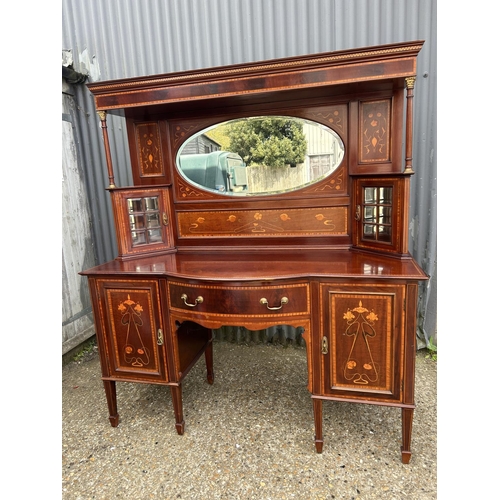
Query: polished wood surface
[[365, 65], [266, 265], [330, 258]]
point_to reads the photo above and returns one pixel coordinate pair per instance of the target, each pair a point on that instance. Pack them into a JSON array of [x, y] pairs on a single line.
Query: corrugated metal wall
[[127, 38]]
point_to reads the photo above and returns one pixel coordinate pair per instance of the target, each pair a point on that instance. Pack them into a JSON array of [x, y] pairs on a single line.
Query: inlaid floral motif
[[360, 367], [180, 132], [333, 220], [134, 350], [376, 131], [148, 137]]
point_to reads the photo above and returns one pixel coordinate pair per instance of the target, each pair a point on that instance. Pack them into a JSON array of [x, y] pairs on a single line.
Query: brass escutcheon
[[159, 338], [357, 216], [324, 345]]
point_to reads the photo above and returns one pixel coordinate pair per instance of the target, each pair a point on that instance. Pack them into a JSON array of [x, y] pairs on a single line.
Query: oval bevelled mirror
[[260, 155]]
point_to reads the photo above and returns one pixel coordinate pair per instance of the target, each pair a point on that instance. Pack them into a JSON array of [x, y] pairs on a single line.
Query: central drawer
[[241, 300]]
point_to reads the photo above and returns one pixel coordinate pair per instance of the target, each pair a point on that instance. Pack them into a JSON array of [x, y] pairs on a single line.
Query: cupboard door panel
[[363, 334], [380, 214], [134, 332], [142, 221]]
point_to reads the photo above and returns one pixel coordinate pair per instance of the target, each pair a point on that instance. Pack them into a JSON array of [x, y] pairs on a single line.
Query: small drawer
[[254, 301]]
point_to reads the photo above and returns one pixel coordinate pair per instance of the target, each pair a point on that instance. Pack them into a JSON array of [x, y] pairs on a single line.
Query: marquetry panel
[[361, 340], [363, 334], [262, 223], [134, 331], [375, 131], [149, 149]]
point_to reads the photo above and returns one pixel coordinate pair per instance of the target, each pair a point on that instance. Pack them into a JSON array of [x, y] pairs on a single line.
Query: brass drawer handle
[[197, 301], [284, 300]]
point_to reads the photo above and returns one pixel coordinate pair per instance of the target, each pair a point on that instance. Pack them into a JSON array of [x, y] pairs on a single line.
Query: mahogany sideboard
[[268, 193]]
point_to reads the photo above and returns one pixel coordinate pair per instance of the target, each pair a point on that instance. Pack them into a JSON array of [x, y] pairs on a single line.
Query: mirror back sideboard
[[328, 256]]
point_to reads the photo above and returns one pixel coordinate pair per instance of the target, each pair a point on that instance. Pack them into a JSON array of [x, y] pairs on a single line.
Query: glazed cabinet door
[[362, 341], [381, 215], [131, 329], [142, 221]]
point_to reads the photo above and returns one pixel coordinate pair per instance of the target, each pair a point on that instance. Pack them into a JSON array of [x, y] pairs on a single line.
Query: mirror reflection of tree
[[270, 141], [253, 155], [220, 135]]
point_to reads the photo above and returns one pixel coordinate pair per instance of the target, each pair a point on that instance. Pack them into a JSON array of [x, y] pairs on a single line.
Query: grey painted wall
[[127, 38]]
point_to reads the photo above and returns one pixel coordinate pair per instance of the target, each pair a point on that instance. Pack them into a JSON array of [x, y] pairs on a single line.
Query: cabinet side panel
[[100, 326], [410, 342]]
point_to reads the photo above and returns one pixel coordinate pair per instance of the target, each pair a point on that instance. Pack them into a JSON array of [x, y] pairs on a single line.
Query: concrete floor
[[249, 436]]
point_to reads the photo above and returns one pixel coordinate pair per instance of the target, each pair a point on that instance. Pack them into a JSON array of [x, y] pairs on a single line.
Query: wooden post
[[410, 83], [102, 116]]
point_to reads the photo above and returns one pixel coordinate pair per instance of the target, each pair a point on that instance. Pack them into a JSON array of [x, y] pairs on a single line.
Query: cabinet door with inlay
[[362, 343], [133, 329]]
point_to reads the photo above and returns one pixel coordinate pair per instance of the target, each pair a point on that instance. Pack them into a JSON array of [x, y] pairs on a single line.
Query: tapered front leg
[[177, 402], [318, 424], [110, 389], [209, 359], [407, 424]]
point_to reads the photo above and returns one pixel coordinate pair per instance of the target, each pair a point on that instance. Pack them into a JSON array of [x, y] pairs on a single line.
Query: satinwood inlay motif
[[186, 190], [303, 221], [375, 131], [148, 137], [134, 350], [335, 118], [360, 367], [182, 131], [336, 183]]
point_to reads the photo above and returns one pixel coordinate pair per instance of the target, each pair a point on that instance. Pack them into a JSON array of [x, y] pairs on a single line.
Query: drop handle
[[284, 300], [197, 301]]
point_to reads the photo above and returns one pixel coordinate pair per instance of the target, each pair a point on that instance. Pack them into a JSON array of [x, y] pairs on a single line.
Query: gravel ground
[[248, 436]]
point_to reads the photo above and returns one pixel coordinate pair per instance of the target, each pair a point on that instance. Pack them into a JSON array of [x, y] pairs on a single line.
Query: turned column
[[410, 83], [111, 177]]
